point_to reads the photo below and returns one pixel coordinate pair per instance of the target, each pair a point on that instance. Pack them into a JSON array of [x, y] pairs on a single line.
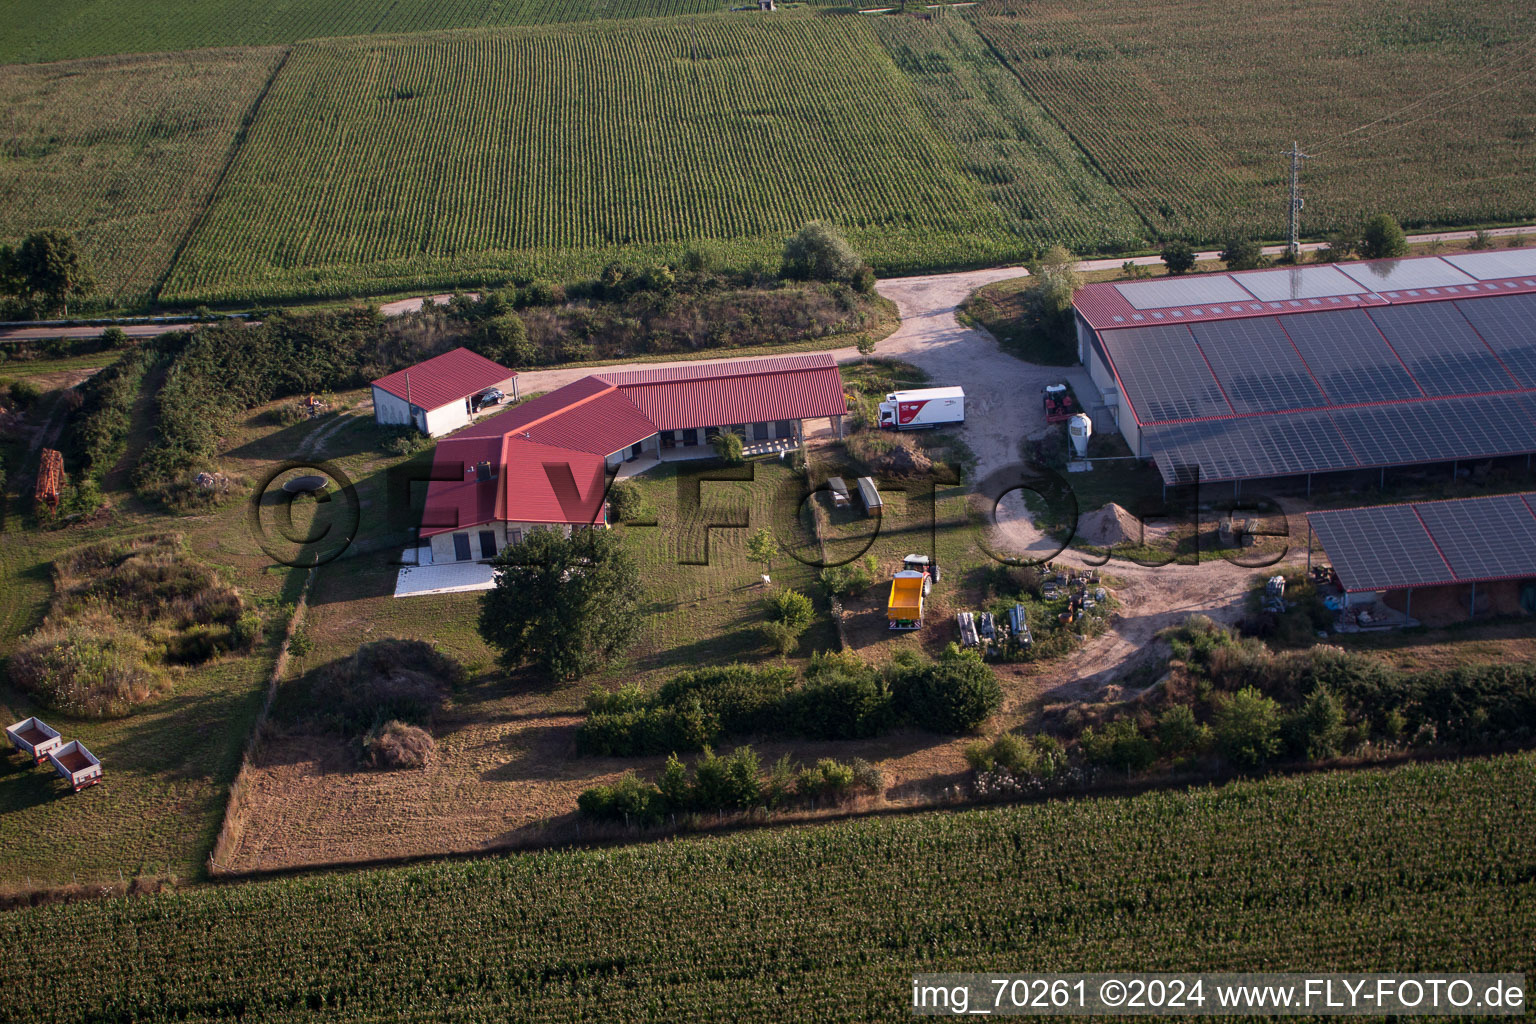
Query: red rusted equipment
[[50, 479]]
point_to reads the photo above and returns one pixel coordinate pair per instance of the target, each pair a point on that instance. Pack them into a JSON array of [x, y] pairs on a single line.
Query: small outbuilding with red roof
[[443, 393]]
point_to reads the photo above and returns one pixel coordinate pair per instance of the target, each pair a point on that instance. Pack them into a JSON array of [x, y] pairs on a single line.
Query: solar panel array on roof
[[1430, 543], [1349, 357], [1396, 275], [1361, 437], [1384, 550], [1441, 349], [1182, 291], [1300, 283], [1508, 326], [1165, 370], [1257, 365], [1494, 266]]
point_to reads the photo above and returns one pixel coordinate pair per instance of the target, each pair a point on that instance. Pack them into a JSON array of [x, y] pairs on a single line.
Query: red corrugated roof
[[534, 483], [716, 401], [574, 427], [447, 378]]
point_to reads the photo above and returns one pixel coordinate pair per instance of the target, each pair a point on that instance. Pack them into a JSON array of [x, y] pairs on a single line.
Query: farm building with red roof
[[546, 463], [441, 394]]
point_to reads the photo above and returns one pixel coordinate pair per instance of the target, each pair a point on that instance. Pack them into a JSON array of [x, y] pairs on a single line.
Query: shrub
[[1240, 253], [628, 800], [1178, 734], [726, 783], [1315, 730], [782, 638], [398, 745], [791, 608], [1382, 238], [817, 252], [743, 699], [729, 446], [954, 695], [1247, 728], [653, 730], [1481, 239], [629, 697], [625, 502], [840, 706], [1119, 745], [828, 780], [403, 440], [1179, 256], [24, 393]]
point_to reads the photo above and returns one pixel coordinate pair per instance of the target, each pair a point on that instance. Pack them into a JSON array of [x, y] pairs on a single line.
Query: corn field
[[1420, 867], [122, 152], [49, 30], [422, 159], [1185, 113]]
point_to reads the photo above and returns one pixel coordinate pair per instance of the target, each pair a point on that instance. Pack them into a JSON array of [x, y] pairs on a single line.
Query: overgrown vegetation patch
[[126, 615]]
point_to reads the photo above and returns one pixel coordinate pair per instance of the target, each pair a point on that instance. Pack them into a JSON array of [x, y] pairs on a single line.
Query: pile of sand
[[1108, 526]]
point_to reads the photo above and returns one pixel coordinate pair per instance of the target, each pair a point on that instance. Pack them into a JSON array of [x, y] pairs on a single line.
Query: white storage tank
[[1080, 429]]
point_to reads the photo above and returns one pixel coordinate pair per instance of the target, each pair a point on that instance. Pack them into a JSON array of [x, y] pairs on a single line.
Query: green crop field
[[425, 160], [384, 163], [1185, 113], [42, 31], [123, 152], [1418, 868]]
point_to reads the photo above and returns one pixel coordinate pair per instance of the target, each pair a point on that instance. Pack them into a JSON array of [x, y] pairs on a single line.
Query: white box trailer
[[78, 766], [34, 738], [927, 407]]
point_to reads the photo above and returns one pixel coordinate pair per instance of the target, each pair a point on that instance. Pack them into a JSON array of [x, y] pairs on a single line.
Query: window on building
[[634, 453], [461, 547], [669, 438], [760, 432], [690, 438], [783, 428], [487, 543], [515, 537]]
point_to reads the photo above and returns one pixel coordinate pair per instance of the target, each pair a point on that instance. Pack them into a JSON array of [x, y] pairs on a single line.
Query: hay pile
[[1108, 526]]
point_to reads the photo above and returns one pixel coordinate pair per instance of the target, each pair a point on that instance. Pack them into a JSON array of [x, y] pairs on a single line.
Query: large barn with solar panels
[[1318, 369]]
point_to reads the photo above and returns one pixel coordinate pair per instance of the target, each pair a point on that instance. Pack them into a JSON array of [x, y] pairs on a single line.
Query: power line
[[1427, 97]]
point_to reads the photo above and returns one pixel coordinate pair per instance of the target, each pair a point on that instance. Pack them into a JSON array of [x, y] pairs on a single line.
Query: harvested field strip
[[538, 151], [1417, 865]]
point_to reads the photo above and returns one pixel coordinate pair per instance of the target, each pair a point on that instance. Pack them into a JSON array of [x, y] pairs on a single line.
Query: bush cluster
[[383, 681], [729, 783], [840, 697], [124, 613], [98, 432]]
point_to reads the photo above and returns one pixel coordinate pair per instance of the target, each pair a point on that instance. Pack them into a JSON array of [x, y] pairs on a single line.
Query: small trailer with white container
[[922, 408], [78, 766], [35, 738]]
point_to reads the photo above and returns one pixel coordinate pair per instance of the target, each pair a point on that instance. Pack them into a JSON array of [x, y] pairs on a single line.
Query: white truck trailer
[[926, 407], [78, 766], [35, 738]]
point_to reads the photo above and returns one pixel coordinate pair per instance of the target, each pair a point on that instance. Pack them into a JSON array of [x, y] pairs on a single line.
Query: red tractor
[[1059, 403]]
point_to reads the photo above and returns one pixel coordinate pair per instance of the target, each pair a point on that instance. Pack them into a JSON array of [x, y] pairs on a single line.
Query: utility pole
[[1297, 156]]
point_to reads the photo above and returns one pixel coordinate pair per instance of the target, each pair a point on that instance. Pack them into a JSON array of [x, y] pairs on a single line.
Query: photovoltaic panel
[[1438, 431], [1164, 373], [1508, 324], [1257, 366], [1301, 283], [1199, 290], [1254, 446], [1379, 548], [1483, 538], [1398, 275], [1441, 350], [1491, 266], [1348, 356]]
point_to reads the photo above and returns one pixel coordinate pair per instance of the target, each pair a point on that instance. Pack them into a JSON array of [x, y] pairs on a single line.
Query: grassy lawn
[[168, 766]]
